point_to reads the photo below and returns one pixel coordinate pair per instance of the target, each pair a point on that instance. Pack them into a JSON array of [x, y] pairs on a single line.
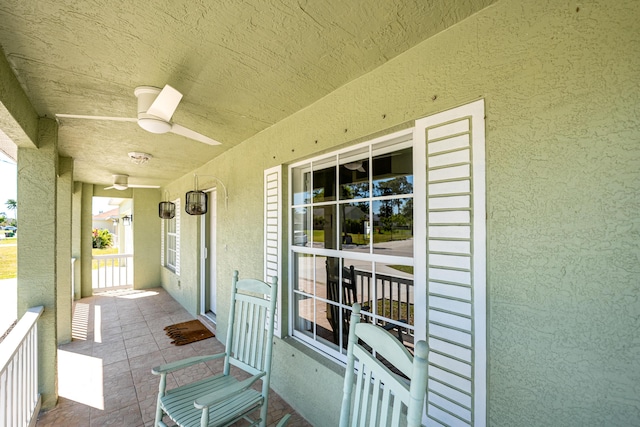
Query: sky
[[8, 183]]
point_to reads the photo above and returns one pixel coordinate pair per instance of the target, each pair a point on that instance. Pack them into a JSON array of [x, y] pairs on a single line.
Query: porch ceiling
[[242, 66]]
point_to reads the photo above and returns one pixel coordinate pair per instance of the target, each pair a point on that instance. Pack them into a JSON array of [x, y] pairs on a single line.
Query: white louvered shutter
[[451, 145], [273, 234]]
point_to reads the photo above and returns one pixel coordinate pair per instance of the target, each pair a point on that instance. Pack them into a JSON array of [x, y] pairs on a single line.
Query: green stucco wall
[[146, 238], [37, 251], [560, 82], [64, 249]]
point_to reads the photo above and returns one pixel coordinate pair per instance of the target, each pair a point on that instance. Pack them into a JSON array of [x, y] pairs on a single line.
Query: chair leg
[[161, 390]]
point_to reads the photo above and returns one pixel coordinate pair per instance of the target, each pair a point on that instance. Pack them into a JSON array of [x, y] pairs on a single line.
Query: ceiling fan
[[121, 182], [155, 109]]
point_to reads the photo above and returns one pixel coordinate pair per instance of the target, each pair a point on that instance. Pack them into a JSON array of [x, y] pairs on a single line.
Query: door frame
[[207, 248]]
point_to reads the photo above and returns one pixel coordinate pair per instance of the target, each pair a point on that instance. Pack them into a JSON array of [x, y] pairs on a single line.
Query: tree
[[12, 205]]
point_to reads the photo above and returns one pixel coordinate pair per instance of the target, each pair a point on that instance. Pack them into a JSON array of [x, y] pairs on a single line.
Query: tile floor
[[105, 372]]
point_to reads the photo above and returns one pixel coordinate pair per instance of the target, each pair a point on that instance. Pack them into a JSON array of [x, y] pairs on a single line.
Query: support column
[[64, 276], [76, 239], [85, 240], [37, 255]]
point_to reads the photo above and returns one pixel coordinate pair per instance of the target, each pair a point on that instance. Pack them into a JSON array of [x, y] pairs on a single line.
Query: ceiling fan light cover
[[196, 203], [167, 210], [154, 125]]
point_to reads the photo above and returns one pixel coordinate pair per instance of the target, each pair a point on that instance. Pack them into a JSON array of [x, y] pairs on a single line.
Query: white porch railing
[[19, 395], [112, 270]]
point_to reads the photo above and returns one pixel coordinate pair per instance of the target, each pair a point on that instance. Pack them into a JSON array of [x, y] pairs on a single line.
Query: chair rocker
[[374, 395], [222, 399]]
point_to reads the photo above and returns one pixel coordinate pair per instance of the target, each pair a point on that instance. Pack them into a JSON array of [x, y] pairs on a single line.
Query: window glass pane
[[324, 227], [393, 173], [304, 268], [301, 183], [327, 312], [324, 182], [356, 228], [354, 174], [357, 282], [304, 314], [301, 226], [393, 227], [393, 304]]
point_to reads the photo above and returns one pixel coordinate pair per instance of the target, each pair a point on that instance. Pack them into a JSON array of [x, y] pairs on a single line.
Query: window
[[398, 225], [352, 241], [171, 243]]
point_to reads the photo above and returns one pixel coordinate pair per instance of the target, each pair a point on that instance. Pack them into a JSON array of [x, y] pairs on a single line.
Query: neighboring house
[[519, 130], [108, 220]]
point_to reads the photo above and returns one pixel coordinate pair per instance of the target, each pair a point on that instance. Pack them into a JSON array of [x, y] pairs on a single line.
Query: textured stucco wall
[[76, 238], [64, 243], [146, 238], [37, 256], [86, 246], [185, 287], [560, 81]]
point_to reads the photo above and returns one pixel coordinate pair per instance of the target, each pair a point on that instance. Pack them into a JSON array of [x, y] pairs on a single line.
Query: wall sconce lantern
[[167, 209], [127, 220], [196, 203], [116, 221]]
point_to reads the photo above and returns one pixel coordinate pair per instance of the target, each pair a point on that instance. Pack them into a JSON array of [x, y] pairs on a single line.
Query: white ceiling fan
[[155, 109], [121, 182]]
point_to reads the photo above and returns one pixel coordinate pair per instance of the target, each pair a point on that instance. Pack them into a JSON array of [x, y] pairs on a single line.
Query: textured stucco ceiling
[[242, 66]]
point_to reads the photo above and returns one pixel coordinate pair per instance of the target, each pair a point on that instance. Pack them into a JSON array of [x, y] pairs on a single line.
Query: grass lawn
[[104, 251], [8, 258]]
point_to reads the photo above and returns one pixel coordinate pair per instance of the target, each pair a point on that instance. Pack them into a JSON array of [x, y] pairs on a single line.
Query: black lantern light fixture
[[127, 220], [196, 200], [166, 209]]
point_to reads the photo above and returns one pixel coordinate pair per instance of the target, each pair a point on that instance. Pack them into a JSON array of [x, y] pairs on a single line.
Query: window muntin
[[352, 241]]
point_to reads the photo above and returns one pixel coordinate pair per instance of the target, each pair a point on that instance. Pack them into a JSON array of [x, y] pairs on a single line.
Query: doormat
[[188, 332]]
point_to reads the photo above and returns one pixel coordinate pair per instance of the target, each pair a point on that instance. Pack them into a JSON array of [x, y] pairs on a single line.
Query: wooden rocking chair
[[222, 399], [381, 397]]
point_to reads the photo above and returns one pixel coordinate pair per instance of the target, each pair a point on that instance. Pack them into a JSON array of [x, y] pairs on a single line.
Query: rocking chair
[[222, 399], [382, 398]]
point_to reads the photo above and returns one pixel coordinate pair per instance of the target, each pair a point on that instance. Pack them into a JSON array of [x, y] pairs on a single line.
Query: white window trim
[[397, 140], [164, 259]]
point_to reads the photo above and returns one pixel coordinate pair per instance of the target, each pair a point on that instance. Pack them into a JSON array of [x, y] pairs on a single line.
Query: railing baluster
[[19, 397], [112, 270]]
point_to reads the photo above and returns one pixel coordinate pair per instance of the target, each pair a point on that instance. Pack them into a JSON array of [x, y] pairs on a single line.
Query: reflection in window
[[324, 226], [393, 227], [393, 173], [356, 229], [356, 217], [354, 180]]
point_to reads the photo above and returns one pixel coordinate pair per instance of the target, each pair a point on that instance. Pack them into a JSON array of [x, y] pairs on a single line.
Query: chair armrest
[[218, 396], [284, 421], [184, 363]]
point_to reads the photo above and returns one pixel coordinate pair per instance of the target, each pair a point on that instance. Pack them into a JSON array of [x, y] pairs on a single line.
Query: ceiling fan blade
[[143, 186], [181, 130], [108, 118], [165, 103], [110, 188]]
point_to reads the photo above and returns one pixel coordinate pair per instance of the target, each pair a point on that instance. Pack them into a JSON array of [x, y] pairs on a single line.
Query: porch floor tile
[[104, 373]]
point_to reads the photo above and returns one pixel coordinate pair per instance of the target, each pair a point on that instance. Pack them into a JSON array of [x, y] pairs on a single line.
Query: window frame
[[392, 142], [171, 241]]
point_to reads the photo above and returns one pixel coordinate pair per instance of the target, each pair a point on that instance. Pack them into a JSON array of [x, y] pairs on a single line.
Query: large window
[[351, 220], [398, 225]]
